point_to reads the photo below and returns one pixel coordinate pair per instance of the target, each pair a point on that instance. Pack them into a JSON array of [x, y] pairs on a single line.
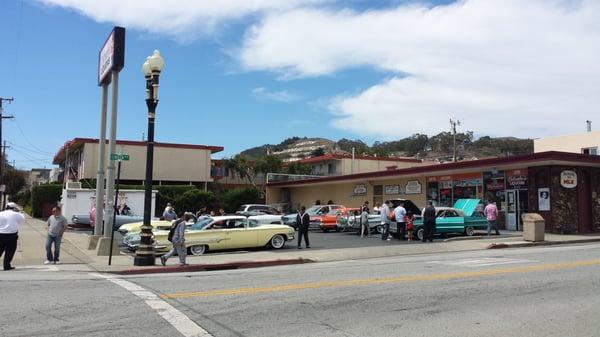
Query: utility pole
[[3, 170], [2, 117], [453, 124]]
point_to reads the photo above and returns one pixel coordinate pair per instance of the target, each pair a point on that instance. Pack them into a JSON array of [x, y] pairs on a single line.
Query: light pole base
[[144, 260]]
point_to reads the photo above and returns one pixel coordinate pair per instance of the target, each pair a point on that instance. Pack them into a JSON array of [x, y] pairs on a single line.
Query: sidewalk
[[75, 256]]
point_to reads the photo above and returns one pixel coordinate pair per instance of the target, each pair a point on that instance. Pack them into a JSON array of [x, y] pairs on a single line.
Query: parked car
[[221, 232], [266, 209], [84, 219], [463, 218], [315, 212], [375, 219], [166, 225], [336, 219]]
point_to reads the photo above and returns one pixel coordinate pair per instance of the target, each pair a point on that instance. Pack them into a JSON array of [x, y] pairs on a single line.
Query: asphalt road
[[546, 291]]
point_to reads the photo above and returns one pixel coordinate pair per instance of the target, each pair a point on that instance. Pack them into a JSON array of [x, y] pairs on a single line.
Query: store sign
[[568, 179], [413, 187], [360, 189], [112, 55], [517, 181], [392, 189]]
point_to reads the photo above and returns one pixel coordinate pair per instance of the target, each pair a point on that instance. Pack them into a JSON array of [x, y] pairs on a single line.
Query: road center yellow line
[[386, 280]]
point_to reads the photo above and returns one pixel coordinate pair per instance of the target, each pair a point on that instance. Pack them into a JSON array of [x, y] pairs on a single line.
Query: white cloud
[[179, 19], [511, 67], [285, 96]]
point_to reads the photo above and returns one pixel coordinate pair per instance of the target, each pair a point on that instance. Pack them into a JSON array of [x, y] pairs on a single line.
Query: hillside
[[438, 147]]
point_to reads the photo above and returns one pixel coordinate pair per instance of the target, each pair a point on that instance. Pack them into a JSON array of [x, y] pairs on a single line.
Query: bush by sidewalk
[[43, 198]]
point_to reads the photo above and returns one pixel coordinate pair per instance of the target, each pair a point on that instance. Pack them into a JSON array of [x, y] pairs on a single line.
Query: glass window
[[590, 150], [252, 223], [378, 190]]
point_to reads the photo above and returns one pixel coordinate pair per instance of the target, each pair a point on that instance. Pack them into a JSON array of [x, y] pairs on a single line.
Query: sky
[[242, 73]]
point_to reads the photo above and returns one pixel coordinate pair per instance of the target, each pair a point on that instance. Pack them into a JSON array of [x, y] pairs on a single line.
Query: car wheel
[[379, 229], [198, 250], [420, 233], [277, 241], [325, 230], [469, 231]]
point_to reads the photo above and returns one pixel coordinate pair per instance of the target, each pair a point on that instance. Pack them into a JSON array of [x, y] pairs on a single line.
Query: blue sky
[[357, 69]]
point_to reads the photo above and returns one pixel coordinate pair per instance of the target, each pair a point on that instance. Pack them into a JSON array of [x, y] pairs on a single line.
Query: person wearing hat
[[10, 219]]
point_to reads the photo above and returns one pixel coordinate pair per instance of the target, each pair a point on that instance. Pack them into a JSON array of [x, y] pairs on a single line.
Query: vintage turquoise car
[[463, 218]]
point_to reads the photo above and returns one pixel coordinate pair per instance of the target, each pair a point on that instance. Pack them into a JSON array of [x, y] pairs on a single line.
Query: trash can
[[533, 227]]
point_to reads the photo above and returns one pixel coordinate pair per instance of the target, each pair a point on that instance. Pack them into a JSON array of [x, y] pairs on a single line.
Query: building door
[[512, 210], [517, 203]]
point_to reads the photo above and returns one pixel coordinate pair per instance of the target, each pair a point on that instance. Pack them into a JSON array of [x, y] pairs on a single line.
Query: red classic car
[[330, 220]]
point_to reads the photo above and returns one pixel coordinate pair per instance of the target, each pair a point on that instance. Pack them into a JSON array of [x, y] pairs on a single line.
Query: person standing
[[365, 229], [303, 221], [169, 213], [10, 219], [429, 222], [491, 214], [365, 207], [384, 212], [57, 225], [399, 215], [410, 218], [178, 240]]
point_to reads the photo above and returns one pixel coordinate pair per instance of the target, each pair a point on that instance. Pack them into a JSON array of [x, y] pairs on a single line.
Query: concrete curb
[[214, 266], [537, 244]]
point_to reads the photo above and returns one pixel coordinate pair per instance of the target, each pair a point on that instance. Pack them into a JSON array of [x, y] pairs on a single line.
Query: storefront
[[563, 187]]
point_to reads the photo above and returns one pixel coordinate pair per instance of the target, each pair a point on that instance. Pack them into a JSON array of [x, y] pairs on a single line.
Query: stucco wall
[[366, 165], [170, 164], [342, 193], [567, 143]]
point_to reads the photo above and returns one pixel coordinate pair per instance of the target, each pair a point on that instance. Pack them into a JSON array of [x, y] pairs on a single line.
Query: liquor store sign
[[568, 179], [112, 55]]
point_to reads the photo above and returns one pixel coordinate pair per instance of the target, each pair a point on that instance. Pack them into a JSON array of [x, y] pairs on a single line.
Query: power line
[[24, 148], [27, 139]]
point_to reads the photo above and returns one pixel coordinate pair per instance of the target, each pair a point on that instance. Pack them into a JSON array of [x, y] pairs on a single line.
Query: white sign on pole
[[106, 59]]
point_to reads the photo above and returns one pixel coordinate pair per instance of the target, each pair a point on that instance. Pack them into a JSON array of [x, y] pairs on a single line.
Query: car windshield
[[313, 210], [201, 223], [242, 208]]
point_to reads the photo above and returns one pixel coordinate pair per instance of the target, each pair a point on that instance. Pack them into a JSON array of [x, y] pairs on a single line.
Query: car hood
[[468, 206], [135, 226]]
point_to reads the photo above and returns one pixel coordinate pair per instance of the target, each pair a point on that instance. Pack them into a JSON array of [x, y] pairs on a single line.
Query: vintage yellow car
[[134, 227], [221, 233]]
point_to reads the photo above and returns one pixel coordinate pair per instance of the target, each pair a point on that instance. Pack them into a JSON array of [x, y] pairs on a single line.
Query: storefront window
[[494, 187], [445, 193], [433, 193]]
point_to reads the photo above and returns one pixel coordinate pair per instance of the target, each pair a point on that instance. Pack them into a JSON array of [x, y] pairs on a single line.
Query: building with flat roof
[[343, 164], [173, 163], [585, 143], [562, 187]]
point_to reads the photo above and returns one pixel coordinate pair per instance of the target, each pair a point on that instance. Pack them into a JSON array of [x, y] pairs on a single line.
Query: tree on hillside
[[347, 144], [317, 152]]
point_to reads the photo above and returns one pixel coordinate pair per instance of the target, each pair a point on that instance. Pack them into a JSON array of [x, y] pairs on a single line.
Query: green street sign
[[119, 156]]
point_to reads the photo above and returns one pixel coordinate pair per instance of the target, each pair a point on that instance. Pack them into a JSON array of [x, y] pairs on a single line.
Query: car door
[[239, 236], [215, 235], [451, 222]]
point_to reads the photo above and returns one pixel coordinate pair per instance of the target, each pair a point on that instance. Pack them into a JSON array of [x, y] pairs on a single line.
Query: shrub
[[194, 200], [23, 198], [170, 193], [44, 197], [233, 199]]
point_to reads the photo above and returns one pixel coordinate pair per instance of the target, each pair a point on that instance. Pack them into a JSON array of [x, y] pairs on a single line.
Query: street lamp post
[[144, 255]]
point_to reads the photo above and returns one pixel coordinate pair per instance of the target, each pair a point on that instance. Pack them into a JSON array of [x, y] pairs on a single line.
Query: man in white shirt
[[400, 214], [9, 233]]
